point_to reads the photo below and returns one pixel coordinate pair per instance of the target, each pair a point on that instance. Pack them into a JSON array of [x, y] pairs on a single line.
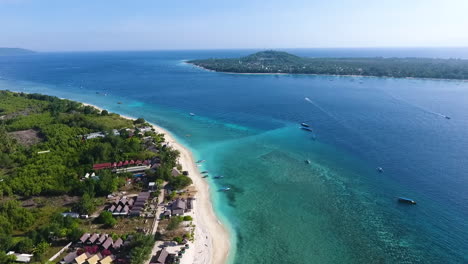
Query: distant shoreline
[[331, 75]]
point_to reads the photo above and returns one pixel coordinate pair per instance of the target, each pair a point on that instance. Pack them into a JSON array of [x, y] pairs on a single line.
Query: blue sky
[[57, 25]]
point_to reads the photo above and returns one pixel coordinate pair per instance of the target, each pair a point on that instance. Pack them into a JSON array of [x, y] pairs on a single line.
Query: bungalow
[[175, 172], [93, 238], [85, 237], [160, 257], [82, 258], [23, 258], [95, 135], [107, 260], [178, 207], [102, 239], [108, 243], [69, 258], [72, 215], [101, 166], [94, 259], [117, 244], [145, 129]]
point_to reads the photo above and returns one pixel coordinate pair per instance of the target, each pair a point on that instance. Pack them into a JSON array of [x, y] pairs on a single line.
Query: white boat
[[225, 189], [192, 114]]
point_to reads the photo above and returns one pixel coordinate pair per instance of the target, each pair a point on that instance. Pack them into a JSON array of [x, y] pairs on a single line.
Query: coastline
[[211, 236], [331, 75]]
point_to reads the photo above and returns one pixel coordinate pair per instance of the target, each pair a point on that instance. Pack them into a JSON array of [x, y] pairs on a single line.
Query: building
[[175, 172], [117, 244], [94, 259], [160, 257], [139, 204], [107, 260], [23, 258], [81, 259], [84, 238], [178, 207], [72, 215], [108, 243], [101, 166], [69, 258], [95, 135], [93, 239]]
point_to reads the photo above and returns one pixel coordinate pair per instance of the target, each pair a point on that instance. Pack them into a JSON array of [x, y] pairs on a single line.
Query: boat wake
[[421, 108]]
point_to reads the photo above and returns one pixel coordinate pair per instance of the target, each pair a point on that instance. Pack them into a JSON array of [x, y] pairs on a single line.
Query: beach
[[211, 243]]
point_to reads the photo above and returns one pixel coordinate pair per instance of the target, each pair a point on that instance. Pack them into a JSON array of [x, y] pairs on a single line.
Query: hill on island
[[14, 51], [282, 62]]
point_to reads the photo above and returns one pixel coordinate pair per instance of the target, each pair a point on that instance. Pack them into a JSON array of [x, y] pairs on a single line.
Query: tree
[[107, 219], [139, 121], [40, 250], [108, 183], [180, 182], [104, 113], [7, 259], [85, 205], [25, 245]]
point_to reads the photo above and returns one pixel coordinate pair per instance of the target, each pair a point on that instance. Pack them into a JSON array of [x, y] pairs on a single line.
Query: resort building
[[23, 258], [160, 257]]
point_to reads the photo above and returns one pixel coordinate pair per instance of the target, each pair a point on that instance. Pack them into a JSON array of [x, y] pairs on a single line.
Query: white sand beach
[[211, 237]]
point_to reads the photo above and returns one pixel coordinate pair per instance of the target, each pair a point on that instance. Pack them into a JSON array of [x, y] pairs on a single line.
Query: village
[[146, 204]]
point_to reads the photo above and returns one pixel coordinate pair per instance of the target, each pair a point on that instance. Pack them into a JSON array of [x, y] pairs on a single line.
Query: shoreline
[[318, 74], [212, 237]]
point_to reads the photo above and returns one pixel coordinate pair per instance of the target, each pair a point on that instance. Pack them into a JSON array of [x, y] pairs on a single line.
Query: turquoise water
[[337, 209]]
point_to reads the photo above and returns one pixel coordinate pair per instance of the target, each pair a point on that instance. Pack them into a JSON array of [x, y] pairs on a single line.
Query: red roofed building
[[102, 166], [125, 163], [138, 162], [132, 162], [119, 164]]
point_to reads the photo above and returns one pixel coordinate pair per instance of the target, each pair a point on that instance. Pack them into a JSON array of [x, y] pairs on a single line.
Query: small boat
[[218, 177], [406, 200], [306, 129], [206, 176], [200, 161], [204, 172], [119, 102], [304, 124], [379, 169], [447, 117], [192, 114], [225, 189], [307, 161]]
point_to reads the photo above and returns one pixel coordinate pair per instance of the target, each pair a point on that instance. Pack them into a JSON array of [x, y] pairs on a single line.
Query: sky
[[86, 25]]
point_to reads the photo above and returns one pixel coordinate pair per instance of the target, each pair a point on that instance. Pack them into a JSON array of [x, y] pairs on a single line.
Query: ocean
[[338, 208]]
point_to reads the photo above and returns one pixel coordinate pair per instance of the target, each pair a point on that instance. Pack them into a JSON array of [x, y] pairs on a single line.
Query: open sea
[[338, 208]]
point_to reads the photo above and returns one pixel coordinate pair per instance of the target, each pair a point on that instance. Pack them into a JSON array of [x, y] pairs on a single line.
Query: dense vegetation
[[55, 166], [282, 62]]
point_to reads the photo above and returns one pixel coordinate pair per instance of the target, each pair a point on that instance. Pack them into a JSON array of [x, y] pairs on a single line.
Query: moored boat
[[379, 169], [225, 189], [200, 161], [406, 200], [306, 129], [304, 124], [218, 177]]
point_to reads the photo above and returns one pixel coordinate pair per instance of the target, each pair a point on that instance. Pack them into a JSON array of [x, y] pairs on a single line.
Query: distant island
[[15, 51], [278, 62]]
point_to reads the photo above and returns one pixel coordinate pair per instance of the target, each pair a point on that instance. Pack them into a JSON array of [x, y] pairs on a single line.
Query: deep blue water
[[338, 209]]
